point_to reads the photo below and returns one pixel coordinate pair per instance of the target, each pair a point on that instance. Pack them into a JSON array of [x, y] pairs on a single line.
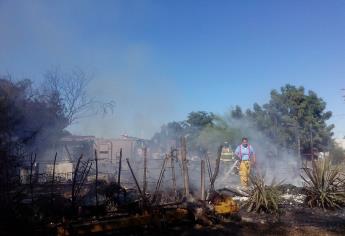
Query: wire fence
[[171, 174]]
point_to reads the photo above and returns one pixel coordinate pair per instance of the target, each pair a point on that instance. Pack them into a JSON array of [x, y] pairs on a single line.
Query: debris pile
[[121, 208]]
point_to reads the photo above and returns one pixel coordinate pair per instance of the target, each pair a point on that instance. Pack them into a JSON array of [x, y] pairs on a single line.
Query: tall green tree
[[191, 128], [169, 135], [29, 123], [200, 119], [197, 122], [220, 132], [237, 113], [294, 119]]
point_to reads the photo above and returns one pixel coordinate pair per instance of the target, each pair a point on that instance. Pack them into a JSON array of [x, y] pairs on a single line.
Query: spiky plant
[[262, 197], [324, 185]]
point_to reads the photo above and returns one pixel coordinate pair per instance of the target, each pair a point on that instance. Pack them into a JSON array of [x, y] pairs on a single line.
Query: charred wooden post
[[74, 181], [184, 166], [120, 166], [216, 169], [96, 182], [32, 162], [202, 180], [53, 179], [119, 175], [209, 168], [172, 157], [145, 170]]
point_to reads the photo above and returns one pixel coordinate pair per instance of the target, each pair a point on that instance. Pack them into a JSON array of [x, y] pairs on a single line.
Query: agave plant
[[324, 185], [262, 197]]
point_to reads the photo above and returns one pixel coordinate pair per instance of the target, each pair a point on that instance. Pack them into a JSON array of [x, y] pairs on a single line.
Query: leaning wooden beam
[[119, 175], [136, 181], [160, 178], [145, 170], [96, 181], [75, 180], [216, 169]]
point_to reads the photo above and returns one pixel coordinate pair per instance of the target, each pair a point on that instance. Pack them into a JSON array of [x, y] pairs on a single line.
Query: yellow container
[[227, 206]]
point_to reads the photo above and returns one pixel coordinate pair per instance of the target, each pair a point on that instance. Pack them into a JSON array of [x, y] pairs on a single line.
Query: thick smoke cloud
[[140, 106], [275, 163]]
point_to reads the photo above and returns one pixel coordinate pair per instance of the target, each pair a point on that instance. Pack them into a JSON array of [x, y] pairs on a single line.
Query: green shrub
[[324, 185], [262, 198]]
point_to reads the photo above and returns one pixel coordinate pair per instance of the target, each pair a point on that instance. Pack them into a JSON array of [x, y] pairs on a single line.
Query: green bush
[[262, 197], [324, 185]]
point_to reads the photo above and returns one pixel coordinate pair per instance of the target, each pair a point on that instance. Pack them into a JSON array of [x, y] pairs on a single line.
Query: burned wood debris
[[132, 189], [140, 193]]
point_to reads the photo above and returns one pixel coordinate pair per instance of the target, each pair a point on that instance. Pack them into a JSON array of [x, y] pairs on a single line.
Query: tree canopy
[[191, 128], [292, 119], [34, 116], [27, 117]]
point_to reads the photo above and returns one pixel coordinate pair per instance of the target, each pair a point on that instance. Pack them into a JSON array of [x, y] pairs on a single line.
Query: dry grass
[[324, 184]]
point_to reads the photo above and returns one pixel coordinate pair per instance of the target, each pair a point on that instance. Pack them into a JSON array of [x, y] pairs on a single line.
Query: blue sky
[[160, 60]]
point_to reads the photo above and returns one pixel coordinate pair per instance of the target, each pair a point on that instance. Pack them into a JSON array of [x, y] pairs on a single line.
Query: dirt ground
[[292, 221], [293, 218]]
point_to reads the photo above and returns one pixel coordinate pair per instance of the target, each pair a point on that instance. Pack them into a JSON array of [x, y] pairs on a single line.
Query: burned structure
[[68, 149]]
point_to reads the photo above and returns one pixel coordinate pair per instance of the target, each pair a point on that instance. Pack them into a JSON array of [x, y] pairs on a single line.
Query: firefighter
[[227, 159], [246, 155]]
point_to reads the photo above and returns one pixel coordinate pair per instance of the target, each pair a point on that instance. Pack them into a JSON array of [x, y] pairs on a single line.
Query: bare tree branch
[[71, 90]]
